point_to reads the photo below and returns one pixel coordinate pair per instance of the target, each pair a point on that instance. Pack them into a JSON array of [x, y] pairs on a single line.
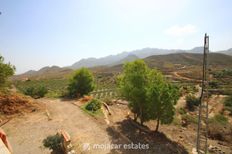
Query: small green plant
[[93, 105], [192, 102], [54, 142], [35, 92]]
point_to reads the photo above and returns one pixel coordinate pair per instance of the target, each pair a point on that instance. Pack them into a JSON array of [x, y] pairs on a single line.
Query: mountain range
[[123, 57], [136, 54]]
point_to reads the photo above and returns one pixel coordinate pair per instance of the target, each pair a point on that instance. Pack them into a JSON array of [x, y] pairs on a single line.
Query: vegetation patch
[[81, 83], [54, 143], [6, 70], [35, 92], [93, 107], [150, 95], [56, 87], [228, 104], [220, 129], [189, 119], [191, 102], [219, 119]]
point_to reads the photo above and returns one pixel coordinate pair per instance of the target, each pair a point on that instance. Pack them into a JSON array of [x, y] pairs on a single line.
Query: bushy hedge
[[93, 105], [35, 92]]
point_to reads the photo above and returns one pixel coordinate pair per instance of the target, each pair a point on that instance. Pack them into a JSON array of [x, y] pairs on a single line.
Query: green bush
[[6, 71], [228, 104], [81, 83], [36, 92], [192, 102], [54, 142], [93, 105]]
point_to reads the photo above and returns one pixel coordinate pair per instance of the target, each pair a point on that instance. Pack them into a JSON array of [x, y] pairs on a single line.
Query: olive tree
[[81, 83]]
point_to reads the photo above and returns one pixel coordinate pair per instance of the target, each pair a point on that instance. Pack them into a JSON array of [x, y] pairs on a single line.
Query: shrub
[[219, 128], [81, 83], [54, 142], [36, 92], [228, 104], [93, 105], [191, 102]]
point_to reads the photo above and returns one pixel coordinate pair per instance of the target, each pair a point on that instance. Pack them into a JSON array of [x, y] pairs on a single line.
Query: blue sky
[[34, 34]]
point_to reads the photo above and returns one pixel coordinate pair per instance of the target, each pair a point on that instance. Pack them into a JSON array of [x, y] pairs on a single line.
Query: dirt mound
[[13, 103]]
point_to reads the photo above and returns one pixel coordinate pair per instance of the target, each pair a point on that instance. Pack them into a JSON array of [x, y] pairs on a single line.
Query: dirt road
[[27, 132]]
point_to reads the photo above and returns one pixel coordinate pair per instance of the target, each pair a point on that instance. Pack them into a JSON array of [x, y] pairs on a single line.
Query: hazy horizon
[[34, 34]]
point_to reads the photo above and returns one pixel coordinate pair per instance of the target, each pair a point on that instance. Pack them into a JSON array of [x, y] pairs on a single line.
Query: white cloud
[[181, 30]]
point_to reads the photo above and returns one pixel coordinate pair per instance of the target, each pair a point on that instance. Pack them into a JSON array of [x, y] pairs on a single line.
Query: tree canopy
[[81, 83], [6, 70], [149, 94]]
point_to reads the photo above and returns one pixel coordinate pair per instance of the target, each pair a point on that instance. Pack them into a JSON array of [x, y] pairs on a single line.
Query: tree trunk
[[157, 125]]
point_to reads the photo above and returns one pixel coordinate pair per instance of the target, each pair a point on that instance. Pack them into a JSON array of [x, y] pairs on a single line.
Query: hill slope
[[173, 61], [215, 59], [45, 72], [227, 52], [176, 61]]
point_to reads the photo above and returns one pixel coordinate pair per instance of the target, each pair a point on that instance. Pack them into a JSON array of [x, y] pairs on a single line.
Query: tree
[[150, 96], [81, 83], [162, 96], [6, 70], [132, 85]]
